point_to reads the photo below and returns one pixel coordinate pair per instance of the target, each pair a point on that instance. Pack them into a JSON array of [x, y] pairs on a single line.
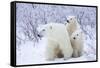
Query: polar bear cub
[[58, 41], [77, 42], [72, 24]]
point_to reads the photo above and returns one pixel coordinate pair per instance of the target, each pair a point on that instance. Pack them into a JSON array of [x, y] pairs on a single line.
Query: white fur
[[57, 38], [77, 42], [72, 25]]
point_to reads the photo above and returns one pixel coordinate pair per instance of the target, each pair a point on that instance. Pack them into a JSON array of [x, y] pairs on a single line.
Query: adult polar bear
[[58, 41]]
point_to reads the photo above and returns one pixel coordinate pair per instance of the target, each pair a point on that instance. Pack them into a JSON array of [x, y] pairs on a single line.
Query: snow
[[31, 49], [30, 54]]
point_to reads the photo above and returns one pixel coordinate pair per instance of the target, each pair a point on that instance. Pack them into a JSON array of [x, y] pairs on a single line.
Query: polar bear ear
[[74, 17]]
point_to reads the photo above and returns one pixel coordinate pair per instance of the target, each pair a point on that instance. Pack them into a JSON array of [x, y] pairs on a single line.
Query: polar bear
[[77, 42], [72, 24], [58, 41]]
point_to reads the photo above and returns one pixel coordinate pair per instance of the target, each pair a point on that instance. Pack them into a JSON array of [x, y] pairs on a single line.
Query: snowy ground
[[29, 54]]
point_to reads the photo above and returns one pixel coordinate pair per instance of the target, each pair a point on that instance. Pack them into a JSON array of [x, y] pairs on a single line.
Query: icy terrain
[[30, 48]]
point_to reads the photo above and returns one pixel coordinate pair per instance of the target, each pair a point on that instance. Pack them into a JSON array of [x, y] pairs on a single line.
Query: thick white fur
[[57, 38], [72, 25], [77, 41]]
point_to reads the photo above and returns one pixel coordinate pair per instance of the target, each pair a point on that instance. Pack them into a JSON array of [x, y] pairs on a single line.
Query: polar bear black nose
[[74, 38], [68, 21]]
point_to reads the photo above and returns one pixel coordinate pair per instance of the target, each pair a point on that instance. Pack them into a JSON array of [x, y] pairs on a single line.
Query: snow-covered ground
[[30, 54]]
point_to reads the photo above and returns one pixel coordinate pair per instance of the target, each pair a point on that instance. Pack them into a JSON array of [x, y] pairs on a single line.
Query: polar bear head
[[44, 29], [71, 19], [77, 35]]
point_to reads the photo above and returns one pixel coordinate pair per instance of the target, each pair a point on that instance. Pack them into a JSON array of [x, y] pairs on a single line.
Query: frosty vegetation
[[30, 16]]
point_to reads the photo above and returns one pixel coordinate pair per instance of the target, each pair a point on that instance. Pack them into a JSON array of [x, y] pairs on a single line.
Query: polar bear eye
[[43, 30], [74, 38]]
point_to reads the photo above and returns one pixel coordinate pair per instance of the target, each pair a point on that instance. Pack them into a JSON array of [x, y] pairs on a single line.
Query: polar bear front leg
[[66, 57], [80, 52], [50, 50], [75, 53], [67, 53]]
